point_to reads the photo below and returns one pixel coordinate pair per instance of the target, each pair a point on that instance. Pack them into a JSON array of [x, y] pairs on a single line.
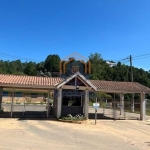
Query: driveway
[[26, 134]]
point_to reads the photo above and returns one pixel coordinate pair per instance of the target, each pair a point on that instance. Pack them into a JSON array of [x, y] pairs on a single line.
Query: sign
[[96, 105], [108, 105], [75, 69]]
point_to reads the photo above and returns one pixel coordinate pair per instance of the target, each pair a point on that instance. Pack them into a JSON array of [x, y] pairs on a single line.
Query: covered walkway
[[77, 85]]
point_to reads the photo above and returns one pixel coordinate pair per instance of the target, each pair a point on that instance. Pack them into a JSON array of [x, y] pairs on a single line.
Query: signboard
[[108, 105], [96, 105]]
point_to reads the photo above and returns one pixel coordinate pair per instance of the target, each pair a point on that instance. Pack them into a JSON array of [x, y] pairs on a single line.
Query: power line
[[137, 57], [141, 55], [141, 58], [16, 57]]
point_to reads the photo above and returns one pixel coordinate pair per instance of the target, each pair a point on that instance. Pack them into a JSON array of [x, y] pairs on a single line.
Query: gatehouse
[[71, 91]]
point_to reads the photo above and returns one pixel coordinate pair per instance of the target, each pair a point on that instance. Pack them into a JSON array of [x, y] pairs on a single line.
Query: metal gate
[[114, 109], [26, 110]]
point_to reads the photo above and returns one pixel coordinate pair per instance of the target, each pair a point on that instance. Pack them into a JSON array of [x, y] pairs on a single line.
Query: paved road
[[48, 134]]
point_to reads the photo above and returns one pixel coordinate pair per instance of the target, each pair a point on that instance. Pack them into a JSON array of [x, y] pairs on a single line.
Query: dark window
[[5, 94], [34, 95], [71, 101], [18, 94]]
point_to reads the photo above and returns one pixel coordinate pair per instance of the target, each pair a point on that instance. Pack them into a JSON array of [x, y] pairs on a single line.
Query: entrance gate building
[[72, 88]]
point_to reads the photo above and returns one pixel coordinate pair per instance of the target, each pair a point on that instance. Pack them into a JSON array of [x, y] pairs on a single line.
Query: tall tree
[[52, 63], [31, 69], [99, 67]]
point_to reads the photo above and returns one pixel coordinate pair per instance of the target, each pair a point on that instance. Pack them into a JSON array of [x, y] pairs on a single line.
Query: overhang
[[50, 83]]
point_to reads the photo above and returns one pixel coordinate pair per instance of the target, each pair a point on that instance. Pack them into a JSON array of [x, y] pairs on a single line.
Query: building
[[71, 90]]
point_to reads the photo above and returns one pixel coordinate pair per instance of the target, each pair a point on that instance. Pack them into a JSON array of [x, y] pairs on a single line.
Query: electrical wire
[[141, 55], [16, 57]]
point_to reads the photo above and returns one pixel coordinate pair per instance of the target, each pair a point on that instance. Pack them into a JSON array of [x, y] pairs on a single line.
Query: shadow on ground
[[99, 116], [148, 143], [27, 114]]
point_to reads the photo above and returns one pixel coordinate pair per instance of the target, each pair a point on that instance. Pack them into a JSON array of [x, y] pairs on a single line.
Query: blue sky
[[33, 29]]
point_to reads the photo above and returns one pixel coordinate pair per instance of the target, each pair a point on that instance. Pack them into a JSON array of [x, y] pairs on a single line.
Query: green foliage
[[99, 67], [102, 71], [52, 63], [102, 95], [31, 69], [76, 117]]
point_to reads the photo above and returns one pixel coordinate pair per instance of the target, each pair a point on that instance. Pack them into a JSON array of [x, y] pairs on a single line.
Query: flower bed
[[73, 119]]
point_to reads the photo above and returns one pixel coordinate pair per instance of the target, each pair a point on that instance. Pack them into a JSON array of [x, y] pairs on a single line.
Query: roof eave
[[121, 91], [27, 86]]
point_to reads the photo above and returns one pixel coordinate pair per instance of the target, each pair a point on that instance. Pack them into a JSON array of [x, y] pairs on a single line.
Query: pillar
[[12, 103], [1, 97], [142, 107], [55, 103], [114, 109], [121, 104], [86, 104], [59, 103], [48, 106]]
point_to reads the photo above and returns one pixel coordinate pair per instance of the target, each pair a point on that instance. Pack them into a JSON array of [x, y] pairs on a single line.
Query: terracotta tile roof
[[35, 81], [28, 80], [120, 86]]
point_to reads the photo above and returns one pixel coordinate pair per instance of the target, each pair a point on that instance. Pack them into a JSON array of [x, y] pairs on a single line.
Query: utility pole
[[132, 99], [131, 68]]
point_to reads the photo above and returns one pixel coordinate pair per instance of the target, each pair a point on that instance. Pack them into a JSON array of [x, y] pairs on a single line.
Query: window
[[34, 95], [5, 94], [71, 101], [18, 94]]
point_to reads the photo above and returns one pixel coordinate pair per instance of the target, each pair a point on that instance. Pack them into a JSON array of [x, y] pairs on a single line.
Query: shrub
[[76, 117]]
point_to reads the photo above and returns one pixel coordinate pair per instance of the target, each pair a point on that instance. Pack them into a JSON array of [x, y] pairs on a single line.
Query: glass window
[[18, 94], [34, 95], [5, 94], [71, 101]]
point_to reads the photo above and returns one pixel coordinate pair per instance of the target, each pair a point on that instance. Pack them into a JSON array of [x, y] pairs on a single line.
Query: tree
[[40, 66], [99, 67], [31, 69], [52, 63]]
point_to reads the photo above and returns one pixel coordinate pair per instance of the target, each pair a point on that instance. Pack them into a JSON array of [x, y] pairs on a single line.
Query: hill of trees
[[100, 69]]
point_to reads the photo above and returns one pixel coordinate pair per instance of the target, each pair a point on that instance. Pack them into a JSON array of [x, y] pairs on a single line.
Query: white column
[[1, 96], [48, 107], [59, 103], [121, 104], [86, 104], [12, 103], [143, 107], [55, 102]]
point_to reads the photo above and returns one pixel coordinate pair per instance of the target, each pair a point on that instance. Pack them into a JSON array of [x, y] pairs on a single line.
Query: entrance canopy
[[50, 83]]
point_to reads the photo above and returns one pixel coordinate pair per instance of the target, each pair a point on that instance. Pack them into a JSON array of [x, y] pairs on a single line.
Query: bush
[[76, 117]]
